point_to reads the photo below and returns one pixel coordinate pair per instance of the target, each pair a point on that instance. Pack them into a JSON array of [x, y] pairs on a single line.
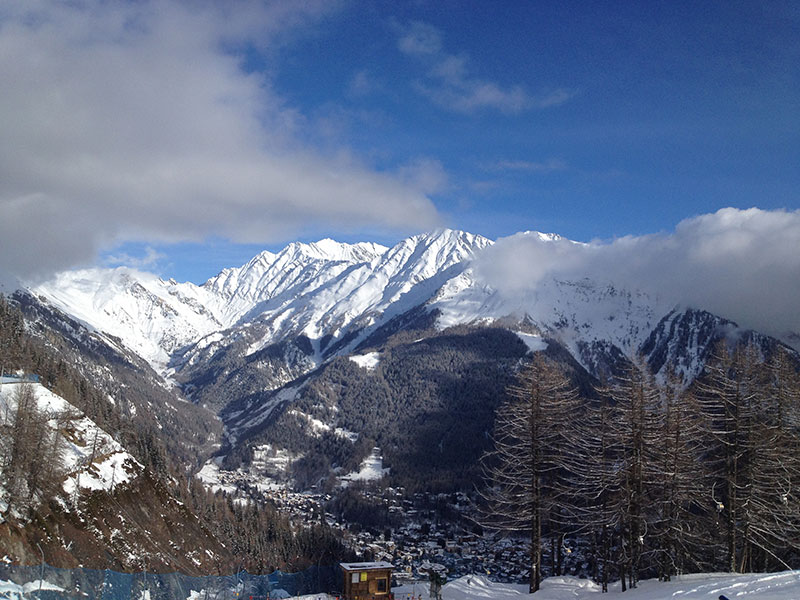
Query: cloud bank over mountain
[[143, 121], [740, 264]]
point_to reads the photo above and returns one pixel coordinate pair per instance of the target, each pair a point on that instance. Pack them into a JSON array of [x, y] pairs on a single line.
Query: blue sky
[[182, 139], [659, 110]]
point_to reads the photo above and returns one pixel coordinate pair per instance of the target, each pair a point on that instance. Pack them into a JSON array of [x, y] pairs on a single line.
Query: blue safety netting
[[49, 583]]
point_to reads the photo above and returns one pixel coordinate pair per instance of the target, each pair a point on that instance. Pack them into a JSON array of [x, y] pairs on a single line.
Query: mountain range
[[321, 351]]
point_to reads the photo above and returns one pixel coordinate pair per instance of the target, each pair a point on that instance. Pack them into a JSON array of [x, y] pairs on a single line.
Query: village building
[[367, 581]]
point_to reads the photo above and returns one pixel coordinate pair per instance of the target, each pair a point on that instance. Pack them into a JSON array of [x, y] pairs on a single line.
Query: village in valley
[[421, 536], [421, 529]]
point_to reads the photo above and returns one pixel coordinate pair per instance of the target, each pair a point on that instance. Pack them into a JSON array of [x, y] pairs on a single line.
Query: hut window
[[381, 585]]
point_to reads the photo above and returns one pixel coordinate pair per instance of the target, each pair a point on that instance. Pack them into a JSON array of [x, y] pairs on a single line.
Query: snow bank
[[708, 586]]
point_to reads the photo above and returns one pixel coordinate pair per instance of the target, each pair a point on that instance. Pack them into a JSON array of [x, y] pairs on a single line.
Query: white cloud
[[425, 174], [361, 84], [151, 257], [548, 166], [130, 121], [740, 264], [450, 84], [420, 39]]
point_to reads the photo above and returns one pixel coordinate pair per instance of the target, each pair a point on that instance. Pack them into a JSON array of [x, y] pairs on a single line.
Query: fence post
[[41, 570]]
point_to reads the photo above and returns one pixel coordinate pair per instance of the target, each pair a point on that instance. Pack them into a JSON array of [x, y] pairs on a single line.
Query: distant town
[[422, 533]]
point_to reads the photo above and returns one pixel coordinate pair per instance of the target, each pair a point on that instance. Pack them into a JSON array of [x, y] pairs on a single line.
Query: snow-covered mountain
[[151, 316], [583, 315], [319, 290], [302, 364], [442, 323], [334, 295]]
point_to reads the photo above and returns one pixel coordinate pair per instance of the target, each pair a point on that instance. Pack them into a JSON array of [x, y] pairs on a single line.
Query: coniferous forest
[[653, 478]]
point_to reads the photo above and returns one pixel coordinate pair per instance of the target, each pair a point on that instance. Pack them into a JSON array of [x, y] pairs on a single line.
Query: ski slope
[[760, 586]]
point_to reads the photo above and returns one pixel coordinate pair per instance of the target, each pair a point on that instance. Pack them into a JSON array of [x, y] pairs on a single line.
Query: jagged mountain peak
[[448, 238], [263, 276], [320, 287], [328, 299], [328, 249], [421, 256], [544, 237]]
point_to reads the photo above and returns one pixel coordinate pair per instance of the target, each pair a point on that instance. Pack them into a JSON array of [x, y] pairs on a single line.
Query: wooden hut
[[367, 581]]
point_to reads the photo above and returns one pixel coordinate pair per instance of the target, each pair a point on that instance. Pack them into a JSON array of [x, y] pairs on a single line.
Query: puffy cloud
[[150, 258], [740, 264], [137, 120]]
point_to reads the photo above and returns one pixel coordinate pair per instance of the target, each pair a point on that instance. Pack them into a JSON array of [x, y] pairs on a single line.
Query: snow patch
[[367, 361], [535, 343], [371, 469]]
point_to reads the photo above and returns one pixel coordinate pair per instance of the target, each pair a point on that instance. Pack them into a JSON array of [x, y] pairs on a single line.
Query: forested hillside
[[160, 519], [428, 403]]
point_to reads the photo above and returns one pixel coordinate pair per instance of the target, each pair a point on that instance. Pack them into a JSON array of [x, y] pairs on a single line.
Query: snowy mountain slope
[[151, 316], [358, 296], [93, 504], [684, 339], [90, 457], [315, 290], [269, 279], [64, 349], [592, 319]]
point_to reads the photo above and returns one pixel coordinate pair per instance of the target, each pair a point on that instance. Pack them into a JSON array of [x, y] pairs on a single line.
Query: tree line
[[655, 478]]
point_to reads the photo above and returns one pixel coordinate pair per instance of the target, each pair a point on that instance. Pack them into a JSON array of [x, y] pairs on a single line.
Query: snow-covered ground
[[762, 586], [9, 589], [367, 361], [371, 469]]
